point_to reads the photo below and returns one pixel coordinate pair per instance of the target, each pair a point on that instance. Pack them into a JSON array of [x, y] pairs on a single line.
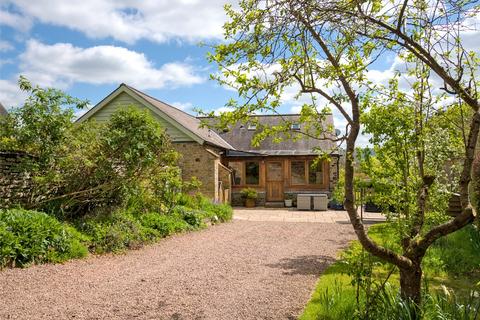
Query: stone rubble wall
[[197, 161], [15, 186]]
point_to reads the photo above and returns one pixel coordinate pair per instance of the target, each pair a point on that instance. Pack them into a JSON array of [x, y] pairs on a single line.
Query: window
[[245, 173], [295, 126], [237, 168], [252, 126], [252, 172], [303, 172], [297, 169], [315, 172]]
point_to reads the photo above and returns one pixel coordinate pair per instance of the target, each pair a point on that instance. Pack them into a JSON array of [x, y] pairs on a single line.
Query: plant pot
[[249, 203], [288, 203]]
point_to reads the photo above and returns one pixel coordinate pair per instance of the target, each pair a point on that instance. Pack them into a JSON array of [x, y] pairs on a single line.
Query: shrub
[[212, 211], [249, 193], [115, 232], [109, 165], [28, 237], [224, 212], [163, 225]]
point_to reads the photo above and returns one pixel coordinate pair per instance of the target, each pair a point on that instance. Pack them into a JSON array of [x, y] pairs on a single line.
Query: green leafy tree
[[89, 167], [41, 124], [318, 48], [102, 166]]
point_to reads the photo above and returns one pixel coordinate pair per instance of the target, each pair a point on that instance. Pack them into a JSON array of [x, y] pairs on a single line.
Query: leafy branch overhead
[[323, 52]]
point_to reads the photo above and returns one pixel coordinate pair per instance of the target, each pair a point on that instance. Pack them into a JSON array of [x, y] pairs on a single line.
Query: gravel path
[[237, 270]]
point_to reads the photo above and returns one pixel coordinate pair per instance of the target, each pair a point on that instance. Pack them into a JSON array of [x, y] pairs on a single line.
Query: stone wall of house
[[238, 201], [200, 162], [334, 172], [224, 183], [15, 184]]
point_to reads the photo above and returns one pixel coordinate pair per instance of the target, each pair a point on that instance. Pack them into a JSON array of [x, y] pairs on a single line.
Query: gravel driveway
[[237, 270]]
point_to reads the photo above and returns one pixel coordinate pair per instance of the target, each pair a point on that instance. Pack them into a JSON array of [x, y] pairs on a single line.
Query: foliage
[[399, 142], [128, 159], [117, 182], [25, 128], [323, 52], [249, 193], [455, 254], [163, 225], [130, 229], [338, 194], [360, 286], [30, 237], [205, 208], [338, 302], [114, 232]]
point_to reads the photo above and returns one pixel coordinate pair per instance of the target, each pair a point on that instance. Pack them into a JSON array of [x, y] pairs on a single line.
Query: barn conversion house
[[225, 162]]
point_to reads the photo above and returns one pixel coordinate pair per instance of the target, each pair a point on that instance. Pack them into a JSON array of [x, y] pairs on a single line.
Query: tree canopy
[[323, 52]]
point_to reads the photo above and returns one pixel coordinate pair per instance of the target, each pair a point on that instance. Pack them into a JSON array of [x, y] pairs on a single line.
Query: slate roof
[[3, 111], [237, 141], [240, 137]]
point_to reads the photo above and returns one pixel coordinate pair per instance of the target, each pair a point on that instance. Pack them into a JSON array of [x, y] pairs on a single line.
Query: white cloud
[[63, 64], [471, 34], [221, 110], [5, 46], [184, 106], [15, 20], [10, 94], [128, 20]]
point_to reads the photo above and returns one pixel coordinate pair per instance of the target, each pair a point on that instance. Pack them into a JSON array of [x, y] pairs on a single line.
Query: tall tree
[[317, 48]]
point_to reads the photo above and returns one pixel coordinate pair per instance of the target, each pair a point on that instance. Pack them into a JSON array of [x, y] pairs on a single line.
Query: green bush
[[163, 225], [115, 232], [117, 164], [212, 211], [249, 193], [28, 237]]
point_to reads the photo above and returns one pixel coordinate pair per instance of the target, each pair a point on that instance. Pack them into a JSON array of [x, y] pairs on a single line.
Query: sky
[[90, 48]]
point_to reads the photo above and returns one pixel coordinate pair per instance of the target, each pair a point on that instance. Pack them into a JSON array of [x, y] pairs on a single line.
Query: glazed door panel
[[274, 180]]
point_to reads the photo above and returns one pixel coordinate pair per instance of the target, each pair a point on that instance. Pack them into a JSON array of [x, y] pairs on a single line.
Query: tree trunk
[[410, 283]]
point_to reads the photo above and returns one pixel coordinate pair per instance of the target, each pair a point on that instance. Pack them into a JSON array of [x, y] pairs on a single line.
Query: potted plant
[[250, 195]]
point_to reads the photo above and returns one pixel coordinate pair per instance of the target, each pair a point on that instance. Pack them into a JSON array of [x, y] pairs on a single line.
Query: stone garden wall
[[14, 183]]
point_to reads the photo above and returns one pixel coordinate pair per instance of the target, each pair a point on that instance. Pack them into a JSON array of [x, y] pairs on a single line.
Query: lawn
[[359, 286]]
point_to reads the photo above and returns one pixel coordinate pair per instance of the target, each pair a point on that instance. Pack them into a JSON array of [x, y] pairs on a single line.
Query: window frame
[[307, 173], [244, 173], [321, 166], [242, 176]]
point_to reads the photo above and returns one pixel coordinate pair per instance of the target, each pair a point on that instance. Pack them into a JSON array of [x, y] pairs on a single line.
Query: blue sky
[[53, 44], [89, 48]]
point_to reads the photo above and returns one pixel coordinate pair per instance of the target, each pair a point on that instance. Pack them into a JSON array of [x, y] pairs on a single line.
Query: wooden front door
[[274, 180]]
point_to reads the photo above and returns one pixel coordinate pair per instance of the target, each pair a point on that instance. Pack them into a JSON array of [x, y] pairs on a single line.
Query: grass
[[451, 273]]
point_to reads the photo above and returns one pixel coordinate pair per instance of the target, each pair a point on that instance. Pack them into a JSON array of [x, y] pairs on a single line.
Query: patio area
[[294, 215]]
